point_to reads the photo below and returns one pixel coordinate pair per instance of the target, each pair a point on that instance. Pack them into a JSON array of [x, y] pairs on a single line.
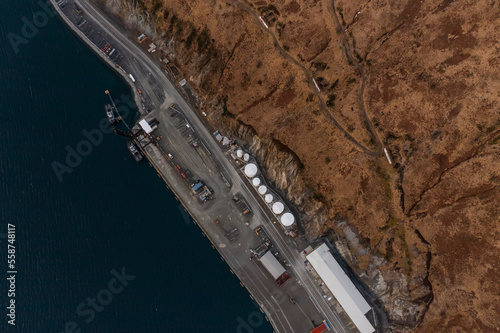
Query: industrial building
[[274, 268], [341, 287], [149, 125]]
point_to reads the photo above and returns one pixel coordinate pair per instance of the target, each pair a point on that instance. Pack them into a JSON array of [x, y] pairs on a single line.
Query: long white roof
[[341, 287]]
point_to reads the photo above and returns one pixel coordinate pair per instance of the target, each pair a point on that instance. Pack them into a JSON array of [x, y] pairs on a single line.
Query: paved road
[[285, 316]]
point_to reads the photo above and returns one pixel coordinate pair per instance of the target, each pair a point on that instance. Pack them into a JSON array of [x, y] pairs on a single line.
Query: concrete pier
[[206, 162]]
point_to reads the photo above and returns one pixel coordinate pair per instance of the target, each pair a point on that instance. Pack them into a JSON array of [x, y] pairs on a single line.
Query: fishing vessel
[[134, 151]]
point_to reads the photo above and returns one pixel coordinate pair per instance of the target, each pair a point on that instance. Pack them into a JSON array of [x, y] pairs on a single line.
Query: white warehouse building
[[341, 287]]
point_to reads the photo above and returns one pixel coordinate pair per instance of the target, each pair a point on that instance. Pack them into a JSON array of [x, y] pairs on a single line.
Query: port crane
[[133, 135], [130, 134]]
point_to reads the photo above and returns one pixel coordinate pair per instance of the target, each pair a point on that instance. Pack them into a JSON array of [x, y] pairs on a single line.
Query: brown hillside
[[420, 78]]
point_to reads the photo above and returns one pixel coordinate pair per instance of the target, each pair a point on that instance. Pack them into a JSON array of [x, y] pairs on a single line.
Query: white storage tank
[[246, 157], [278, 208], [239, 153], [250, 170], [268, 198], [262, 189], [256, 182], [287, 220]]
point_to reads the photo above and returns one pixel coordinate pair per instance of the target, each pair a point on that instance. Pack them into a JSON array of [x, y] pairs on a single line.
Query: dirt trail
[[346, 47], [322, 102]]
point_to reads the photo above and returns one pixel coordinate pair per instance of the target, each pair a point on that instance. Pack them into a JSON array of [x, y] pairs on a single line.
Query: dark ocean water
[[109, 213]]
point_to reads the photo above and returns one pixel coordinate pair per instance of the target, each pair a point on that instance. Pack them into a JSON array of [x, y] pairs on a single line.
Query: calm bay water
[[109, 213]]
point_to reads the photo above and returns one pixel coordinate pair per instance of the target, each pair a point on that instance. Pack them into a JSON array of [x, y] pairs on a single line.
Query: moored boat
[[110, 114], [134, 151]]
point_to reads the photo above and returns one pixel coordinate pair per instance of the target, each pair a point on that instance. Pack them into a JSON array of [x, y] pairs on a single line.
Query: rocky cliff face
[[420, 78]]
